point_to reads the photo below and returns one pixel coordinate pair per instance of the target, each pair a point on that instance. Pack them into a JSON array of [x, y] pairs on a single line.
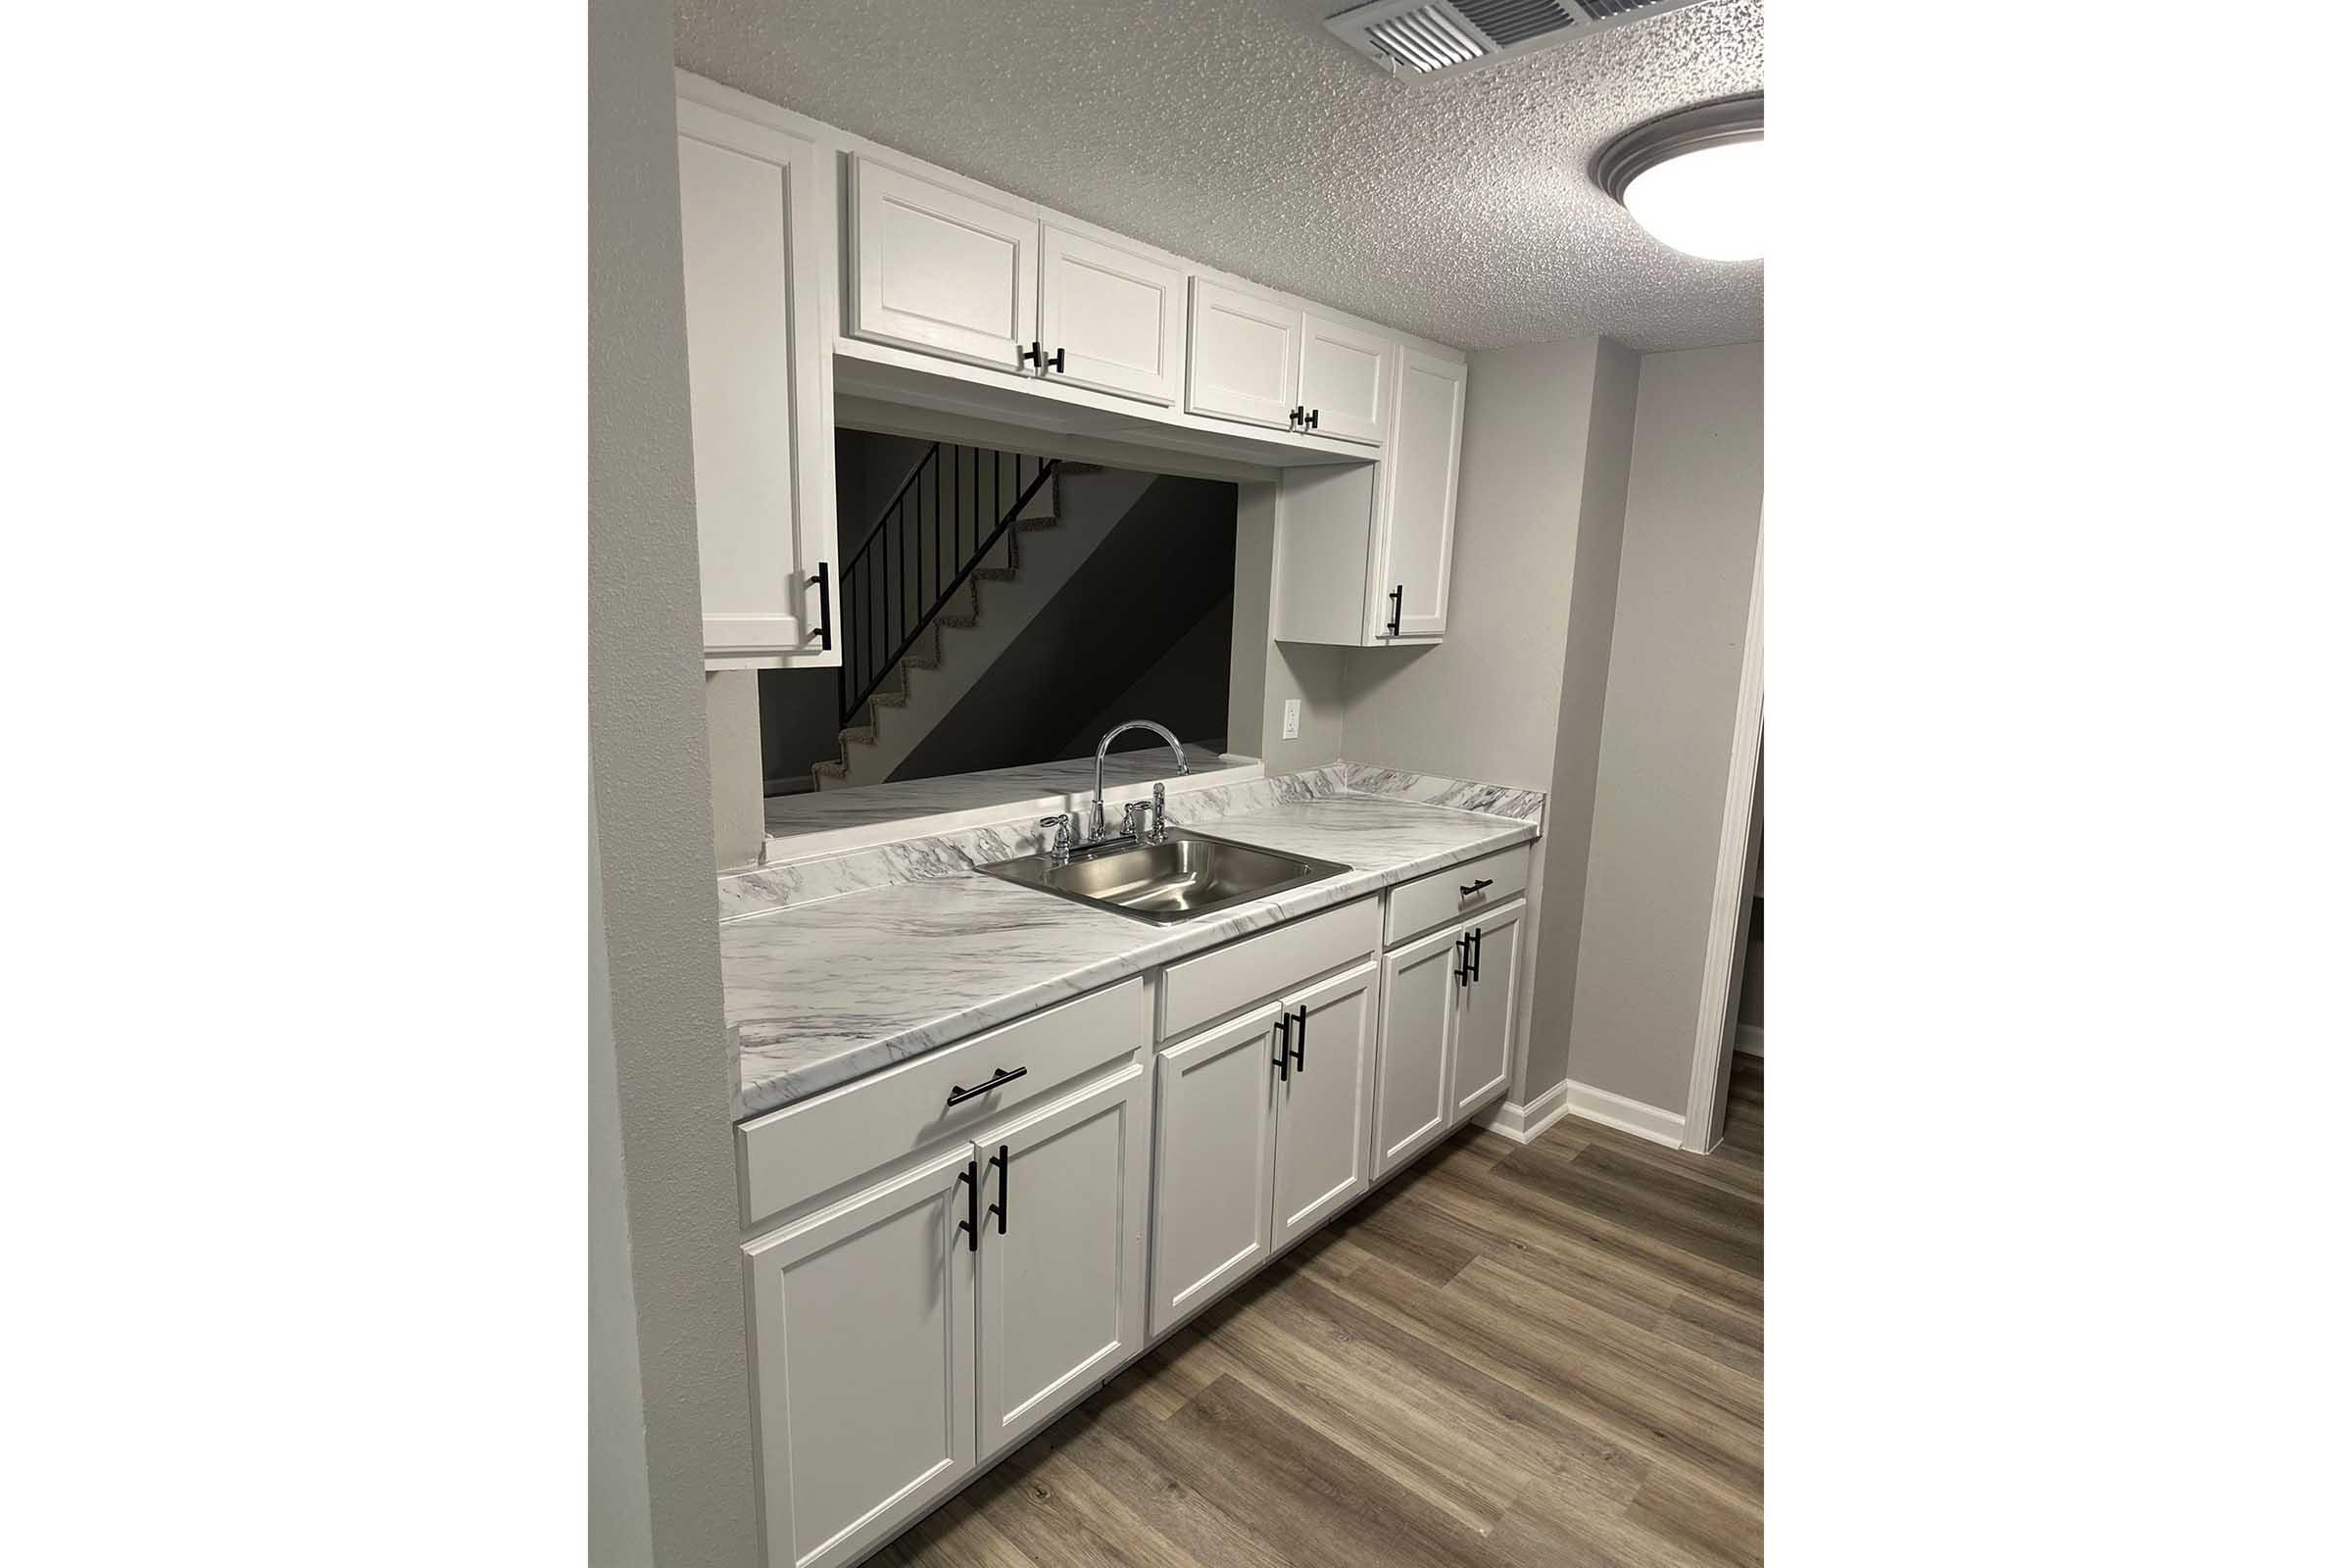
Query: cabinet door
[[1481, 1030], [1245, 356], [1111, 315], [1412, 1091], [1215, 1156], [943, 271], [1417, 495], [861, 1339], [755, 220], [1062, 1253], [1322, 1121], [1344, 379]]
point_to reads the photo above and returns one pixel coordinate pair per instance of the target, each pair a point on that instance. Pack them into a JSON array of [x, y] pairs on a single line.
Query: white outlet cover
[[1289, 719]]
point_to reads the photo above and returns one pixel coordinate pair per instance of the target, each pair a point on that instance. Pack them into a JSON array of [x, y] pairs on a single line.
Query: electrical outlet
[[1289, 719]]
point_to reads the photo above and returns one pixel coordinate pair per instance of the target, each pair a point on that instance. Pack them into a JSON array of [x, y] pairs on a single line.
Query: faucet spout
[[1104, 750]]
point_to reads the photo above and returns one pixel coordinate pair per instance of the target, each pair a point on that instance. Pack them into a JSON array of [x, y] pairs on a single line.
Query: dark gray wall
[[1160, 570]]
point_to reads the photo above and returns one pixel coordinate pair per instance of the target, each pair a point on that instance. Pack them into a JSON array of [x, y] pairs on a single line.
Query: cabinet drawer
[[1243, 973], [794, 1154], [1416, 905]]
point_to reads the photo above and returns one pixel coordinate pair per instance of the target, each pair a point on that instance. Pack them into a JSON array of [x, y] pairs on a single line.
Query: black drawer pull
[[1002, 1163], [1461, 949], [821, 582], [1052, 362], [957, 1094], [970, 1223], [1300, 1046], [1396, 611], [1482, 882], [1478, 948], [1282, 1049], [1033, 354]]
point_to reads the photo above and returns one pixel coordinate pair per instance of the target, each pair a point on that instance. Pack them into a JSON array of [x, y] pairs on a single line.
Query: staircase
[[972, 545]]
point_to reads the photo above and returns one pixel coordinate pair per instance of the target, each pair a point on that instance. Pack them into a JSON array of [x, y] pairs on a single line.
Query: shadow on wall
[[1141, 627]]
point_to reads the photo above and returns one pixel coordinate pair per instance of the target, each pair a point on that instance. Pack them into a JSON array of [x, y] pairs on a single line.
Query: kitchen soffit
[[1241, 133]]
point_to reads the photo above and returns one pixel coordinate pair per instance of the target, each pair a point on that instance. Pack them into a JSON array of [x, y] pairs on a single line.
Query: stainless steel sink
[[1184, 876]]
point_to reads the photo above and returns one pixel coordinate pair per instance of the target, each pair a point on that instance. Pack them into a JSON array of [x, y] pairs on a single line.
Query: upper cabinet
[[755, 210], [1364, 556], [941, 270], [1244, 362], [949, 272], [1108, 318], [1344, 374], [1416, 504]]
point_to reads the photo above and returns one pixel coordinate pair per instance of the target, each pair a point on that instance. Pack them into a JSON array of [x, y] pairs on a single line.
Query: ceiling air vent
[[1435, 37]]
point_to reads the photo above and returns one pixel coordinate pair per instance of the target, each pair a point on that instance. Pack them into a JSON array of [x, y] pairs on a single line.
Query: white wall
[[1266, 673], [738, 781], [1693, 505], [672, 1068]]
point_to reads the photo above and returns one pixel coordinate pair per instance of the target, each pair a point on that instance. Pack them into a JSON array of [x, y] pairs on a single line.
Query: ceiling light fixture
[[1694, 178]]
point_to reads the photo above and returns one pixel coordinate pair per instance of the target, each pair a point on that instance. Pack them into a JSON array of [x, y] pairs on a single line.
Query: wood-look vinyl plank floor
[[1548, 1356]]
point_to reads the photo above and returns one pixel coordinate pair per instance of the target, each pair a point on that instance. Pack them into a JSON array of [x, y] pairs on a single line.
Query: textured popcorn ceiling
[[1240, 133]]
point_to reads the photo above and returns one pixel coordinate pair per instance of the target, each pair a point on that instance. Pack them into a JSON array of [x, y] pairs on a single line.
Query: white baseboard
[[1749, 1041], [1524, 1124], [1626, 1116]]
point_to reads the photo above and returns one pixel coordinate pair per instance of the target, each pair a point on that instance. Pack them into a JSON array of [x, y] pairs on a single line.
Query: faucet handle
[[1132, 820], [1059, 822], [1159, 813]]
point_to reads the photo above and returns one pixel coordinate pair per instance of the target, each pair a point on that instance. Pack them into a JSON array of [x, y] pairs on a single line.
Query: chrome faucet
[[1159, 792]]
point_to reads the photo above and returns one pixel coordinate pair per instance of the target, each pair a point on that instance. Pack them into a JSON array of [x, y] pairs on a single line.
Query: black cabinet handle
[[1473, 887], [822, 581], [1298, 417], [1314, 418], [1282, 1050], [1002, 1163], [1033, 354], [1053, 363], [1300, 1046], [957, 1094], [1478, 948], [1461, 949], [1396, 611], [970, 1223]]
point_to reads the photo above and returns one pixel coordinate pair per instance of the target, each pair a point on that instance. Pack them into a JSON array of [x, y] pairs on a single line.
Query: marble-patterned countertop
[[819, 993]]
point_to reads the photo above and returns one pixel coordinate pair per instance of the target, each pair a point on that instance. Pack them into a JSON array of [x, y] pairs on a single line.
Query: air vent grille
[[1439, 37], [1425, 38], [1510, 22]]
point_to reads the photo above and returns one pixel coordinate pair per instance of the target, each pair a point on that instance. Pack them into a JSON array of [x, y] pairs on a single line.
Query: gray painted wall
[[1693, 507], [1512, 696], [649, 767], [1584, 692], [620, 1527], [1265, 672], [738, 812]]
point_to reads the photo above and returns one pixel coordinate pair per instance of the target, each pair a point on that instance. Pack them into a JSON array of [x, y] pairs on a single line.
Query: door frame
[[1711, 1050]]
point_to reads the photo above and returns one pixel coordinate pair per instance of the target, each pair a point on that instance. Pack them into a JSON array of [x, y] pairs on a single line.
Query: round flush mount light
[[1694, 178]]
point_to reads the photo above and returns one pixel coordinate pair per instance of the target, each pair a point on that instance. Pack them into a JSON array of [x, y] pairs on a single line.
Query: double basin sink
[[1183, 876]]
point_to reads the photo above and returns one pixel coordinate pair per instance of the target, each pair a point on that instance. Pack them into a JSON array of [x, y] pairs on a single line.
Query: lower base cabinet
[[1322, 1124], [1445, 1024], [913, 1330]]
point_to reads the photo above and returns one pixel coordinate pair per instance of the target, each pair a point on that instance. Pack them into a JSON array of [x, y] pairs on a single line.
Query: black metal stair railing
[[935, 533]]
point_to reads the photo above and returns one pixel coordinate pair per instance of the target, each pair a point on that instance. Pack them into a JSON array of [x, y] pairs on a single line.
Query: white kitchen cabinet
[[1323, 1104], [1365, 554], [756, 227], [1108, 318], [1344, 374], [943, 270], [1485, 1009], [1245, 356], [862, 1340], [1213, 1156], [1413, 1096], [1064, 1191], [1421, 476]]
